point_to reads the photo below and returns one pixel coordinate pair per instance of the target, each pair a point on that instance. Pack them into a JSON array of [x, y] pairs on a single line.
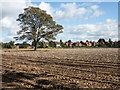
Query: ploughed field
[[61, 68]]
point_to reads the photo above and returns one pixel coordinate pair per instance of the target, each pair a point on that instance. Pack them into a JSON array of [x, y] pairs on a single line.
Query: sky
[[81, 20]]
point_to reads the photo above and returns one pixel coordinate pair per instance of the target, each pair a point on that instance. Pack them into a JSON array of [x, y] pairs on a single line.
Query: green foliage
[[0, 45], [21, 46], [52, 44], [62, 44], [37, 24], [116, 44], [101, 40], [24, 45], [47, 46], [100, 45], [60, 41], [41, 44], [33, 43], [82, 42], [110, 43], [69, 41], [6, 45], [12, 43], [9, 45]]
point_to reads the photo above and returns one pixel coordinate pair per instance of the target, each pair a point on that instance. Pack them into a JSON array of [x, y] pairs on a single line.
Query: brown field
[[61, 68]]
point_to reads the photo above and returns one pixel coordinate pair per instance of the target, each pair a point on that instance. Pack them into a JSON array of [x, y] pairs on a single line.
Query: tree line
[[52, 44]]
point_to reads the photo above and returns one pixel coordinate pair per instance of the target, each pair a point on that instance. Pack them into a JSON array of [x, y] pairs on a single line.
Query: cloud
[[96, 11], [10, 11], [107, 29], [66, 12], [12, 8], [7, 39], [95, 7], [73, 11], [47, 7]]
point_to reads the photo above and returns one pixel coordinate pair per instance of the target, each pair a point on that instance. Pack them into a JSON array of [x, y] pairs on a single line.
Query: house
[[47, 43], [57, 44], [102, 42], [70, 44], [74, 44], [67, 44], [107, 43], [17, 46], [80, 44], [94, 43], [77, 44], [89, 44], [29, 46]]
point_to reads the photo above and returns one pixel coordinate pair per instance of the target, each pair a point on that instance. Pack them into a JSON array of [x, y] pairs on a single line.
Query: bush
[[6, 45], [100, 45]]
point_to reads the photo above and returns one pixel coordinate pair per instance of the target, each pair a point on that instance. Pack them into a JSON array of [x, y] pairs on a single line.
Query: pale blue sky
[[81, 20]]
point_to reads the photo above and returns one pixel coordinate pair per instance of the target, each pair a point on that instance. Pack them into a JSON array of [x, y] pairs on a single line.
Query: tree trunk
[[35, 49]]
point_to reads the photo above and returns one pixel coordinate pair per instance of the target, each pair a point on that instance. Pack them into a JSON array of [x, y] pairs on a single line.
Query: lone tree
[[37, 24]]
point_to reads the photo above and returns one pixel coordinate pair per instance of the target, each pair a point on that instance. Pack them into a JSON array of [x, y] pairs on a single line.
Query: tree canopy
[[101, 40], [36, 24]]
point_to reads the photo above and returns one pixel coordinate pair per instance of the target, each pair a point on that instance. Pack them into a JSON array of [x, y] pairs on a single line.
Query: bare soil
[[61, 68]]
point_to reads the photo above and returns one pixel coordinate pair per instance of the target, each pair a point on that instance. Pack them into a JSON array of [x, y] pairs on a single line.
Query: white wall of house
[[80, 44], [58, 45], [17, 47]]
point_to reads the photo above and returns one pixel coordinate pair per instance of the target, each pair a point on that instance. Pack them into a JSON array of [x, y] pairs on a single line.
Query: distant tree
[[81, 42], [69, 41], [25, 44], [37, 24], [6, 45], [39, 44], [33, 43], [100, 45], [42, 44], [52, 44], [101, 40], [1, 45], [21, 46], [60, 40], [86, 40], [116, 44], [12, 45], [62, 44], [66, 41], [110, 43]]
